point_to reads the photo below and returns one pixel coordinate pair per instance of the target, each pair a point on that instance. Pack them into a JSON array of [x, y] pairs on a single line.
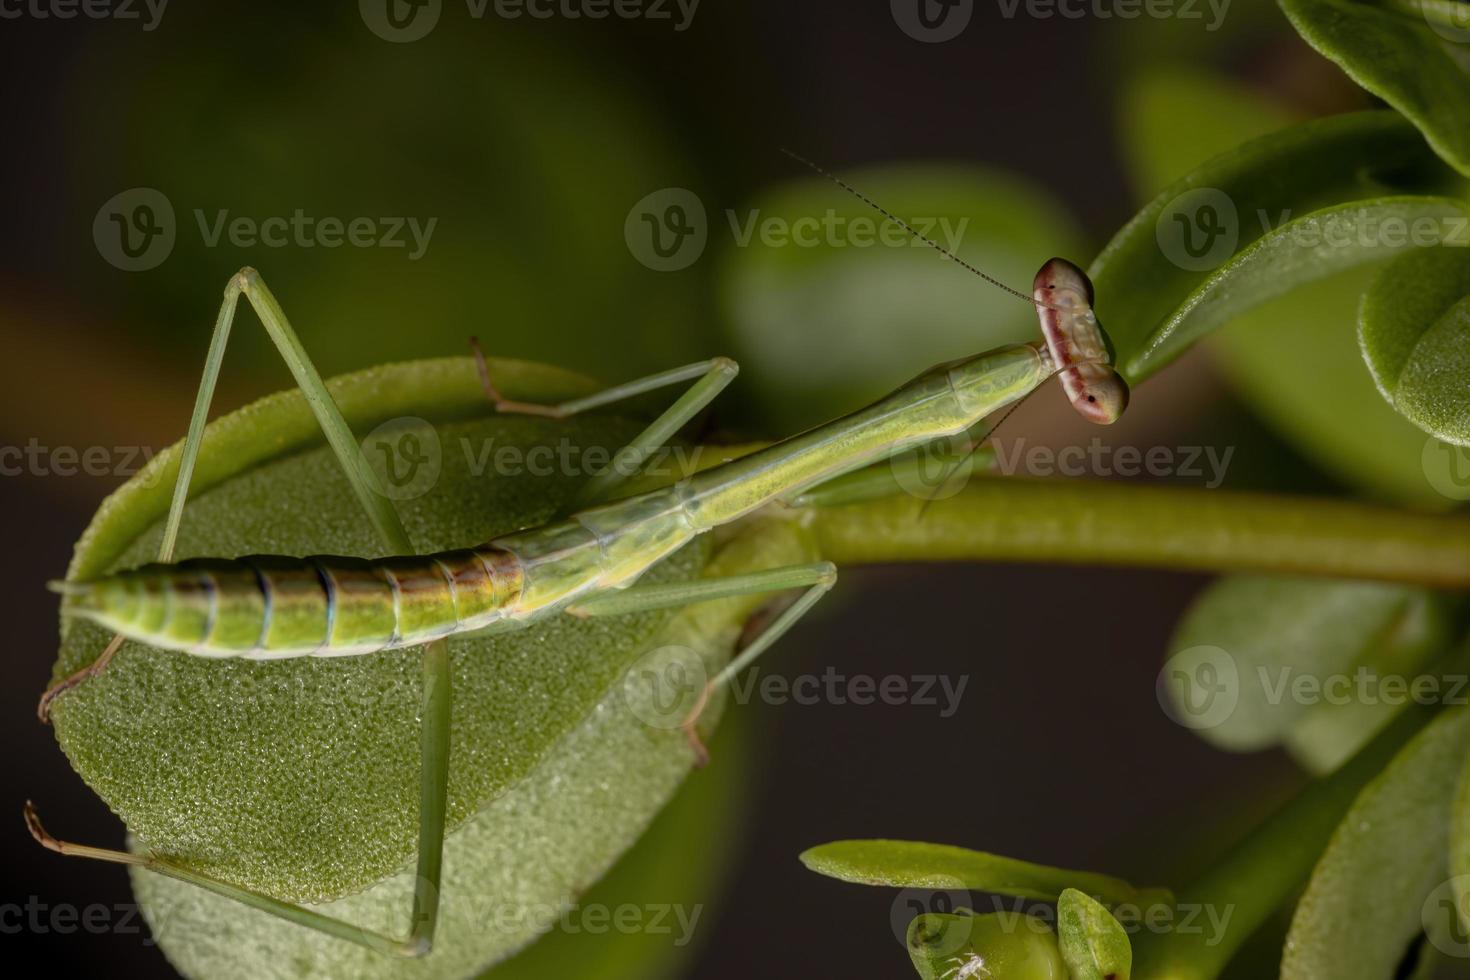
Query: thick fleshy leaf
[[914, 864], [1303, 250], [1333, 413], [977, 947], [1093, 943], [1414, 328], [301, 776], [1413, 59], [1329, 412], [672, 876], [1365, 900], [1172, 272], [1255, 658], [828, 304]]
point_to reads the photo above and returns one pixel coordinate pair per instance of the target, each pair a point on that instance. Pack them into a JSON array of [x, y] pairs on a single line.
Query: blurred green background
[[540, 160]]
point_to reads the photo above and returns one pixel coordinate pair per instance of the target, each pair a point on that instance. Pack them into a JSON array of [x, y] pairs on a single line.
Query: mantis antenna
[[912, 230]]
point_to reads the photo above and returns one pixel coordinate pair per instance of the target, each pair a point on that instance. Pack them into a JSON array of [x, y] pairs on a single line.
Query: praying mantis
[[587, 563]]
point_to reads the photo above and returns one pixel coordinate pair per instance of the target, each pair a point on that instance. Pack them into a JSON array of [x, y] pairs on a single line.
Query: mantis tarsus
[[586, 564]]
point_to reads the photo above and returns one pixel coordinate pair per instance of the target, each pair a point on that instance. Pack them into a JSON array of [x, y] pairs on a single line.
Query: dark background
[[1059, 753]]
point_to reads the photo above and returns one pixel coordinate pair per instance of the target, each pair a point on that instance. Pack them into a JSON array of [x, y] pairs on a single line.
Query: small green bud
[[996, 946]]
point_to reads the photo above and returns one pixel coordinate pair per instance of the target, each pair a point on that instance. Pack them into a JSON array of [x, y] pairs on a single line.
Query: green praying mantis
[[585, 564]]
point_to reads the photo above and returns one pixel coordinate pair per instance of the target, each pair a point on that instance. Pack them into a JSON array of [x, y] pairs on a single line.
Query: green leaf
[[1276, 652], [1305, 249], [826, 318], [1174, 272], [979, 947], [672, 875], [300, 777], [1450, 930], [1365, 900], [1093, 943], [1410, 54], [1414, 328], [1333, 412], [913, 864]]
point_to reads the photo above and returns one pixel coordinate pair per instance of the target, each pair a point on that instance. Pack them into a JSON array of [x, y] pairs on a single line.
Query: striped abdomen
[[267, 607]]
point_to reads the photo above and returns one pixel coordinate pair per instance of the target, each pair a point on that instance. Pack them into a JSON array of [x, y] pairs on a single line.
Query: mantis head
[[1077, 343]]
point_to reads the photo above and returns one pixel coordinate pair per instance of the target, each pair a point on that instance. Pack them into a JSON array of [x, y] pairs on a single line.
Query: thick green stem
[[1261, 872], [1008, 519]]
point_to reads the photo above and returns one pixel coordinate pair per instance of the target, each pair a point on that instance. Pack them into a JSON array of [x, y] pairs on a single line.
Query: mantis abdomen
[[266, 607]]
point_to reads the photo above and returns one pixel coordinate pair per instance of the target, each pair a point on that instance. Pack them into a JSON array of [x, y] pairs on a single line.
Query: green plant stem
[[1010, 519], [1262, 871]]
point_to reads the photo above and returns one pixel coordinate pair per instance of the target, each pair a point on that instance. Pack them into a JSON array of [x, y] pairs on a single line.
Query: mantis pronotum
[[586, 564]]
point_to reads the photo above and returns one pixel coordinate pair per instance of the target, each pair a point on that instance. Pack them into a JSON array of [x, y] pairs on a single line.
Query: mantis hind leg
[[436, 698], [710, 378], [816, 579]]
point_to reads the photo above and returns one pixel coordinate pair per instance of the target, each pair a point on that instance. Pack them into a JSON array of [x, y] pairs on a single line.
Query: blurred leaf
[[1413, 60], [519, 149], [1297, 363], [1173, 119], [301, 776], [1264, 635], [979, 947], [1093, 943], [1364, 902], [828, 315], [1168, 275], [1414, 328], [912, 864]]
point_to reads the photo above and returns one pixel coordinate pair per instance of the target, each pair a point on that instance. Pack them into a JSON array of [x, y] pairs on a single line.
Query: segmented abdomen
[[267, 607]]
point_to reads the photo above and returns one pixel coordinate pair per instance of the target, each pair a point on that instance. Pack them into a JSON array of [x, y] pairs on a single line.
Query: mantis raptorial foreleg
[[710, 378], [436, 703], [817, 578]]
